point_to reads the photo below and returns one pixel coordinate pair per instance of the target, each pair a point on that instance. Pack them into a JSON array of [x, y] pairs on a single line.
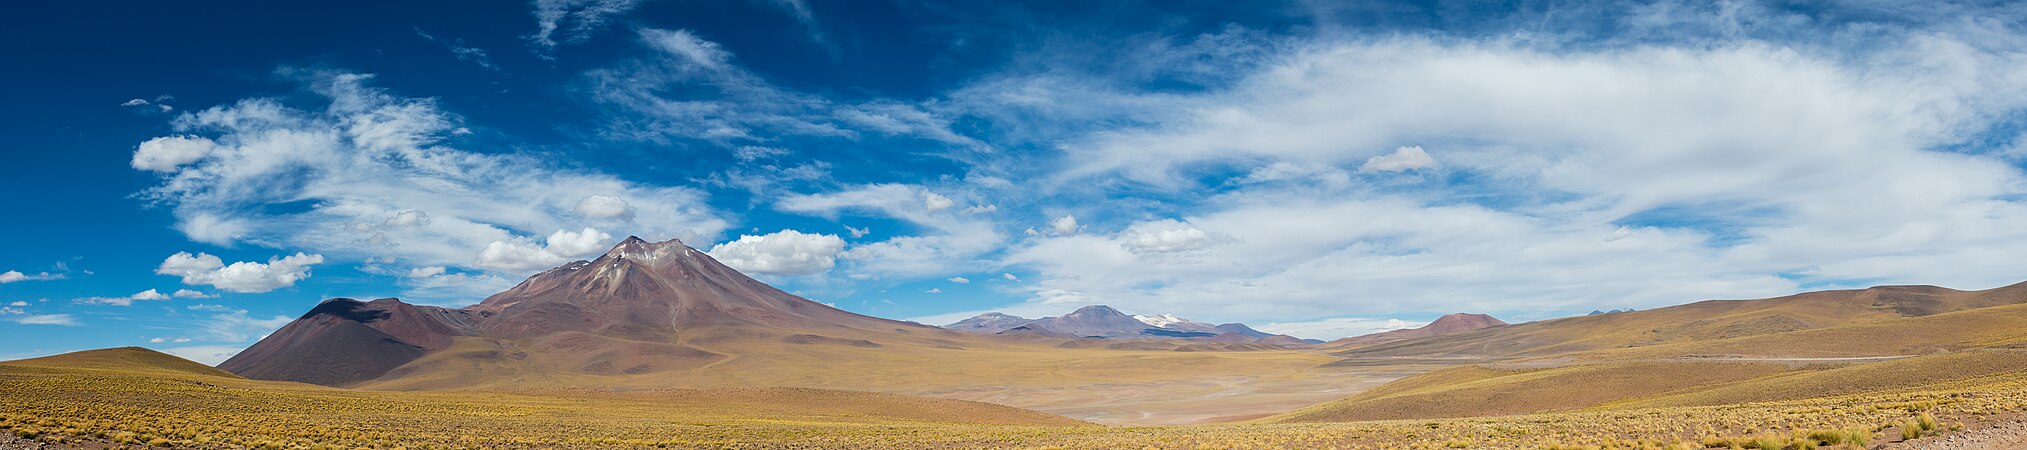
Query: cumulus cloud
[[165, 154], [523, 255], [960, 280], [15, 276], [604, 207], [1401, 160], [243, 276], [370, 174], [1064, 226], [950, 243], [785, 252], [186, 293], [47, 319]]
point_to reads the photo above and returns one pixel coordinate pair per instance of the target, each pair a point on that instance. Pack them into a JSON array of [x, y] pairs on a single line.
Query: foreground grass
[[177, 409]]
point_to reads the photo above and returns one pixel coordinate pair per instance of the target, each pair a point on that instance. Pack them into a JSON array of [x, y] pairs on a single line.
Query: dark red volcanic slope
[[344, 340], [638, 292], [1448, 324]]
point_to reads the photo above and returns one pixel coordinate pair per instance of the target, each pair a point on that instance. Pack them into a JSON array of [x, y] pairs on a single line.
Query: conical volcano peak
[[635, 248]]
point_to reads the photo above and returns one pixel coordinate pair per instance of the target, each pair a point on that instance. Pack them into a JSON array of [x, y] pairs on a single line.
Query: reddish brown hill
[[1448, 324], [342, 341]]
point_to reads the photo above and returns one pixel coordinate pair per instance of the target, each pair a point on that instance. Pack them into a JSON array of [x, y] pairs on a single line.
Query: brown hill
[[1448, 324], [134, 359], [1700, 321], [1880, 356], [343, 341]]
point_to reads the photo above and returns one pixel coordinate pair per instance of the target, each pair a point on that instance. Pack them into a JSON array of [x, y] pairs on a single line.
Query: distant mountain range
[[1103, 322]]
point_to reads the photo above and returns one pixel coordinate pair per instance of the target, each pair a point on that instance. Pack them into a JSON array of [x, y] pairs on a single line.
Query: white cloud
[[243, 276], [15, 275], [934, 202], [683, 43], [1608, 176], [210, 355], [950, 243], [1064, 226], [425, 272], [165, 154], [236, 325], [452, 289], [960, 280], [1335, 328], [135, 102], [522, 255], [1168, 236], [604, 207], [572, 21], [407, 218], [18, 303], [1401, 160], [186, 293], [750, 153], [858, 232], [463, 52], [786, 252], [147, 295], [47, 319], [1010, 277], [934, 290], [351, 167]]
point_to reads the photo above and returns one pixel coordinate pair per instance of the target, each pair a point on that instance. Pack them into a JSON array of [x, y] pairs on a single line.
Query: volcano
[[635, 309]]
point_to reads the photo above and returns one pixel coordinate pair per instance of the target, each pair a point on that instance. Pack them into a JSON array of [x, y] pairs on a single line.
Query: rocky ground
[[2000, 435]]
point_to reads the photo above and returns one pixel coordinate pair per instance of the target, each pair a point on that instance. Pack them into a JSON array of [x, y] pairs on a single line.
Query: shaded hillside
[[344, 341], [1700, 321]]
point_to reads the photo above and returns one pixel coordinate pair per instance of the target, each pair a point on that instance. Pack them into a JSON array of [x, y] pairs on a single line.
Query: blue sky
[[188, 177]]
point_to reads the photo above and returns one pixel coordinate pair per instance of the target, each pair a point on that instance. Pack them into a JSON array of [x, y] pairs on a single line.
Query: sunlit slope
[[1476, 391], [1982, 327], [131, 386], [894, 361], [1874, 357], [113, 407], [1701, 321], [123, 359]]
